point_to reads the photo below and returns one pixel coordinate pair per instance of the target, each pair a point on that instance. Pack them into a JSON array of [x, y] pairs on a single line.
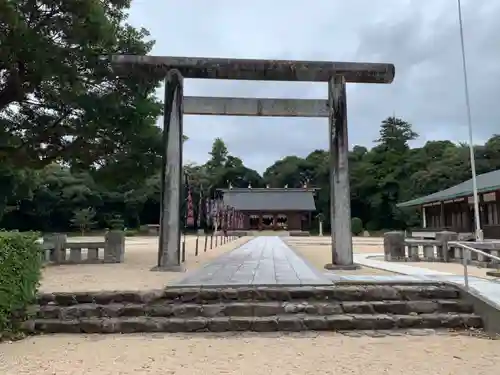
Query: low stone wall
[[397, 248], [58, 250], [299, 233], [261, 309]]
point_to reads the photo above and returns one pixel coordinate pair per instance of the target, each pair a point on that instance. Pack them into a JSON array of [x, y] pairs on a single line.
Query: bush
[[131, 232], [143, 230], [20, 265], [356, 226], [116, 222]]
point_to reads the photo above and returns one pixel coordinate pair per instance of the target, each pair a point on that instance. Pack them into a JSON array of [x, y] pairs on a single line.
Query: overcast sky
[[421, 37]]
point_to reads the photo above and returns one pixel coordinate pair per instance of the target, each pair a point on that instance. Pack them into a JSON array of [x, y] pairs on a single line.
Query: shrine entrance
[[175, 69]]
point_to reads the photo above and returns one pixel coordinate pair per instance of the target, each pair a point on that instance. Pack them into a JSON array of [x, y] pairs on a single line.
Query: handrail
[[466, 257]]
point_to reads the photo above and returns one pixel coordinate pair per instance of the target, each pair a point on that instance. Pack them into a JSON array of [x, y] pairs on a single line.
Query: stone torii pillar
[[340, 192], [336, 74], [169, 252]]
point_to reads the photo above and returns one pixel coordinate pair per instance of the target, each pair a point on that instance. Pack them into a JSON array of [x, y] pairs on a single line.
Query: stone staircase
[[262, 309]]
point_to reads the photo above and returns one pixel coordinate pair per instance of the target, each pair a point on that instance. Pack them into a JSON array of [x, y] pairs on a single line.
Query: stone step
[[249, 308], [369, 292], [295, 322]]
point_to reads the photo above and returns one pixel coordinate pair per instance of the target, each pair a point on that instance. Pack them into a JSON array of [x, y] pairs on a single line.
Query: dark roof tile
[[269, 200]]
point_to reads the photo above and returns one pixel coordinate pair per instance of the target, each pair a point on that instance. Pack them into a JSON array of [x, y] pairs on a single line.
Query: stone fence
[[397, 248], [58, 250]]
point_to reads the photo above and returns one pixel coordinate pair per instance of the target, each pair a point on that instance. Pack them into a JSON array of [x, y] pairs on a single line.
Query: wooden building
[[453, 208], [272, 208]]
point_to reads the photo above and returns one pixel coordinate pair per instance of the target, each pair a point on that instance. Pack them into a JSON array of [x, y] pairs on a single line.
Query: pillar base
[[174, 268], [495, 273], [340, 267]]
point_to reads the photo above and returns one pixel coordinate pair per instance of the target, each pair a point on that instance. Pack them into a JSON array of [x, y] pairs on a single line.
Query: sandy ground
[[134, 274], [319, 255], [360, 244], [280, 354], [277, 354]]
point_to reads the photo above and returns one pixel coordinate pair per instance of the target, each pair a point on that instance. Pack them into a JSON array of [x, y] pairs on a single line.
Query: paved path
[[269, 261], [489, 289], [260, 261]]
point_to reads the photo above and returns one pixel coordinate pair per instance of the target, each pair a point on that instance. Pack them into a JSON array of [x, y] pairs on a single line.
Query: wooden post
[[169, 251], [340, 204], [482, 212], [442, 216], [497, 204]]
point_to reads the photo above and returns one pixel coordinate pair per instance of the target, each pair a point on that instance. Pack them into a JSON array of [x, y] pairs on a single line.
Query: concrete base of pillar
[[338, 267], [180, 268], [495, 273]]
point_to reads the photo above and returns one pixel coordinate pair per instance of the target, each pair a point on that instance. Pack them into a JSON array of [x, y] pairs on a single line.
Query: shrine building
[[453, 208], [287, 209]]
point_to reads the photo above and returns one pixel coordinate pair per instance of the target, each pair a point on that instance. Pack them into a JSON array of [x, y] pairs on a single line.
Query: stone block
[[75, 255], [429, 252], [394, 246], [389, 307], [493, 262], [357, 307], [114, 249], [265, 324], [58, 242], [291, 323], [443, 250], [413, 253], [92, 254], [315, 322]]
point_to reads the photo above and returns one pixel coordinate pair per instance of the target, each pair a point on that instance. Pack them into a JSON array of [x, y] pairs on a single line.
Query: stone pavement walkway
[[489, 289], [269, 261], [260, 261]]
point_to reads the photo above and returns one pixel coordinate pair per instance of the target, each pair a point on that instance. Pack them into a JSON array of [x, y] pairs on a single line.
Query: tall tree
[[59, 98], [218, 155], [395, 134]]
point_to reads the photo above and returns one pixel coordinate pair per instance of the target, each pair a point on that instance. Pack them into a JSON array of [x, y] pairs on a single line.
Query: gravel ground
[[134, 274], [247, 353], [283, 354]]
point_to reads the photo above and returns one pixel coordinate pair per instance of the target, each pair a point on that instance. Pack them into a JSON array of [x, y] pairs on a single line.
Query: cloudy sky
[[421, 37]]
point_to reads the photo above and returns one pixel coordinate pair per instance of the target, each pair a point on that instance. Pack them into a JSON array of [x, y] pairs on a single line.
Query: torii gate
[[175, 69]]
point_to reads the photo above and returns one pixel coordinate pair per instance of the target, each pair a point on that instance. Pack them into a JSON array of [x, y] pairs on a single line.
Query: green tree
[[395, 134], [356, 226], [59, 99], [84, 219], [218, 156]]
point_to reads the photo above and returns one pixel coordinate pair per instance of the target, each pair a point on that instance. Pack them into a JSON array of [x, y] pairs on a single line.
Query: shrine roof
[[486, 182], [269, 199]]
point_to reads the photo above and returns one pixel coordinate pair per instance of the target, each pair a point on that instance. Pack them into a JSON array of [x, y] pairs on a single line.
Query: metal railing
[[467, 255]]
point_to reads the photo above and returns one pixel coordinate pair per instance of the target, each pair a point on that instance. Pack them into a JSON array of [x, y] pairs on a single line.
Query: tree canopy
[[79, 146], [59, 98], [53, 197]]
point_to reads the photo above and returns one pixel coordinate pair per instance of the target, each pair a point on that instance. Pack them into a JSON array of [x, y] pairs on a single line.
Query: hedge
[[20, 266], [356, 226]]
